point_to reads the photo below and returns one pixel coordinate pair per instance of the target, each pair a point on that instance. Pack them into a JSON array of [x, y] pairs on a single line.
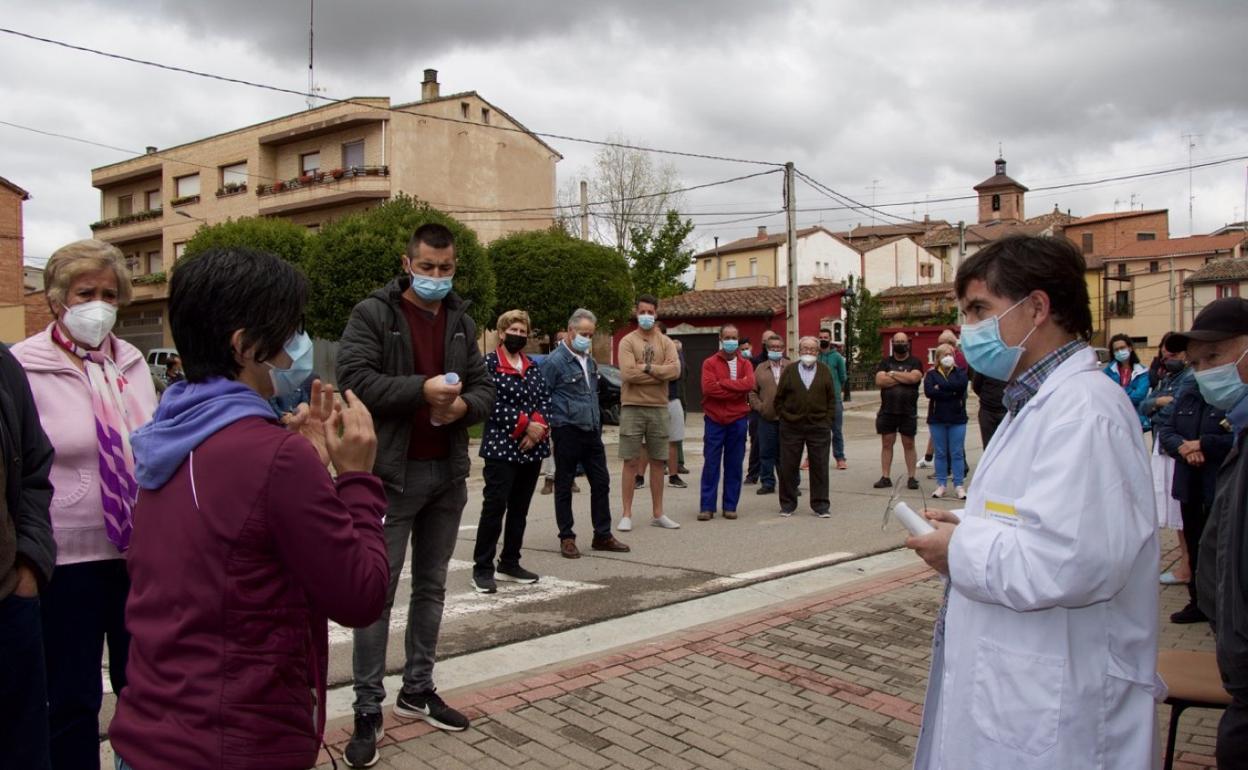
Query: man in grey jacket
[[1217, 349], [27, 556], [410, 353]]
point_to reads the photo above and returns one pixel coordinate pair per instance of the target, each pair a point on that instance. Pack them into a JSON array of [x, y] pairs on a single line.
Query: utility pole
[[1191, 145], [1172, 326], [957, 261], [311, 30], [584, 210], [791, 295]]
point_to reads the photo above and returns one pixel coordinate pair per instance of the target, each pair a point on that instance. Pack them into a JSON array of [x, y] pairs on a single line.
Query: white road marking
[[772, 571], [458, 605]]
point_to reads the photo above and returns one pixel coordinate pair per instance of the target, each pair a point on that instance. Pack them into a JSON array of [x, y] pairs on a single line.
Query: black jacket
[[26, 533], [1222, 580], [375, 360], [519, 400], [1189, 418], [991, 394], [947, 396]]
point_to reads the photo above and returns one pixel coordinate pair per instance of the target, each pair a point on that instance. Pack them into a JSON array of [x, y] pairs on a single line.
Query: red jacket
[[233, 571], [724, 399]]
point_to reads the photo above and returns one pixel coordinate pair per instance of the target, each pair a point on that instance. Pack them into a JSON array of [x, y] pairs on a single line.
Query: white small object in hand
[[916, 524]]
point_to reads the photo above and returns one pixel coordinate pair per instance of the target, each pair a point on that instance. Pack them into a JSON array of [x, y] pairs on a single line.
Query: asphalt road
[[665, 566]]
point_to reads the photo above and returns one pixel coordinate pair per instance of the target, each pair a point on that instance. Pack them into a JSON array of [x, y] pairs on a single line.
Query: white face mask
[[947, 362], [90, 322], [808, 360]]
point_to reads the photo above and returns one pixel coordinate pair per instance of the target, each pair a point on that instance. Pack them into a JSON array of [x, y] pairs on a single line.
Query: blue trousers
[[950, 442], [838, 433], [23, 686], [723, 444]]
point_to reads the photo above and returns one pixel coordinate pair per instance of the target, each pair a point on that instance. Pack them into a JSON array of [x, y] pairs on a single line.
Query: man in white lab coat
[[1044, 653]]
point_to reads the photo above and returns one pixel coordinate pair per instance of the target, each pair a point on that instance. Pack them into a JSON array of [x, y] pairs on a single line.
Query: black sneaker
[[683, 469], [765, 491], [639, 481], [751, 480], [677, 481], [484, 584], [1189, 614], [883, 483], [362, 750], [430, 707], [515, 574], [913, 483]]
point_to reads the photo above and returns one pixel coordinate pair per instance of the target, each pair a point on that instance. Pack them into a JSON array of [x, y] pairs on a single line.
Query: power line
[[333, 101], [828, 192]]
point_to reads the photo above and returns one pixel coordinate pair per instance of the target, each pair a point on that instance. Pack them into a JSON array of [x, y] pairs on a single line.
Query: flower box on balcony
[[232, 188], [185, 200], [338, 173], [127, 219], [150, 278]]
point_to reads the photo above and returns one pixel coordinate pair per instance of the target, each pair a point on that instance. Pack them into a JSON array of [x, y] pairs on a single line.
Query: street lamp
[[848, 298]]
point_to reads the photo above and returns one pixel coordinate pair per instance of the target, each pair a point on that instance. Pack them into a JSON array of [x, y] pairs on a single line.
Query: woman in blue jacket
[[945, 387], [1129, 373]]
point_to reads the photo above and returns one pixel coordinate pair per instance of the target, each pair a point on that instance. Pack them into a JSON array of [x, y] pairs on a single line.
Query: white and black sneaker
[[362, 750], [484, 584], [515, 574], [430, 707]]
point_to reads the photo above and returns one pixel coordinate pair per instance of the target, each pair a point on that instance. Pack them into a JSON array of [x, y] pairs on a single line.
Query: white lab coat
[[1048, 653]]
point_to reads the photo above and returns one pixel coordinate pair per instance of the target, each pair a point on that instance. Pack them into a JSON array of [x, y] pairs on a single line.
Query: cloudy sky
[[905, 101]]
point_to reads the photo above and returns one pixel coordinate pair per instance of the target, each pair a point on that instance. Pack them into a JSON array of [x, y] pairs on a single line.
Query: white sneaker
[[923, 463], [961, 492], [664, 522], [626, 524], [939, 493]]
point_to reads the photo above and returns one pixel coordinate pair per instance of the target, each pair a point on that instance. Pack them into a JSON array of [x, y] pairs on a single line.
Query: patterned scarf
[[116, 415]]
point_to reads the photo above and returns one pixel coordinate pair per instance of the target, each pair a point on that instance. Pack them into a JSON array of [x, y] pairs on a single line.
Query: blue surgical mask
[[1122, 356], [775, 355], [986, 352], [431, 289], [581, 344], [1220, 386], [729, 346], [287, 381], [645, 321]]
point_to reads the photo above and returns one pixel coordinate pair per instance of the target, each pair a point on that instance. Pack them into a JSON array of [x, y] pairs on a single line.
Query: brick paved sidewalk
[[835, 680]]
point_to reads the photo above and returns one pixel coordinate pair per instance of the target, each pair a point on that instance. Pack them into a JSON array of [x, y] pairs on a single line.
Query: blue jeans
[[120, 764], [723, 444], [838, 433], [768, 452], [950, 442]]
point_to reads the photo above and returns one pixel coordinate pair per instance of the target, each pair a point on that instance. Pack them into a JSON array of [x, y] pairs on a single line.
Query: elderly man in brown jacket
[[762, 400]]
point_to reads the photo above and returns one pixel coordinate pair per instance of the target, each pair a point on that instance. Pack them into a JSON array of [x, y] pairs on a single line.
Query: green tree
[[549, 274], [358, 254], [868, 319], [659, 258], [280, 237]]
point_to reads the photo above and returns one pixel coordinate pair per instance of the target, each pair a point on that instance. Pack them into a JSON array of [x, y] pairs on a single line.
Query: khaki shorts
[[675, 421], [643, 425]]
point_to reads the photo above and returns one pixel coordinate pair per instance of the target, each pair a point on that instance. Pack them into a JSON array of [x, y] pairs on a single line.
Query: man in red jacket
[[727, 380]]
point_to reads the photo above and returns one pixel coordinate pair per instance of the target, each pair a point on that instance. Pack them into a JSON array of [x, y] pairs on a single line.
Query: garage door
[[697, 348]]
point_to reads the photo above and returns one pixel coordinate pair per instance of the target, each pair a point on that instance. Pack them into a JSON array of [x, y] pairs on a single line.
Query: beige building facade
[[1145, 281], [457, 152]]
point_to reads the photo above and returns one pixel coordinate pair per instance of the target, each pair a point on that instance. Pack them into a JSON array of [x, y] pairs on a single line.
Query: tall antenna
[[311, 48], [1191, 145], [875, 185]]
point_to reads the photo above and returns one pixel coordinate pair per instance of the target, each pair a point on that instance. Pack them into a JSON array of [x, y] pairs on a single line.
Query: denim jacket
[[573, 401]]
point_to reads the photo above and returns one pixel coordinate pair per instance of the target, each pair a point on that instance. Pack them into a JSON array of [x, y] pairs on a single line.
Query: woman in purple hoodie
[[243, 544]]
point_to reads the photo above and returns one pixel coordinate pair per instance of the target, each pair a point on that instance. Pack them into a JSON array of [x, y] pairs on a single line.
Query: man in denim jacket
[[576, 430]]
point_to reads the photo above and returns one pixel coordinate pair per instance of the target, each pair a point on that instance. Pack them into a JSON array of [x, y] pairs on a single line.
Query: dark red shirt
[[428, 442]]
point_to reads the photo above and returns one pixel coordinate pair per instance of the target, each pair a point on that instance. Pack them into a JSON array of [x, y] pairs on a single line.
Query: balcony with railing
[[130, 227], [743, 282], [320, 189], [1120, 308]]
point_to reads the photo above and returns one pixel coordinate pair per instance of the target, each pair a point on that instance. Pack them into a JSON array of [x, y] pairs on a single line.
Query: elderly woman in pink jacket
[[92, 390]]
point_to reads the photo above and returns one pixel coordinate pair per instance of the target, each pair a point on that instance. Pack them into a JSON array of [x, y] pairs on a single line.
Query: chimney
[[429, 86], [151, 150], [927, 218], [762, 232]]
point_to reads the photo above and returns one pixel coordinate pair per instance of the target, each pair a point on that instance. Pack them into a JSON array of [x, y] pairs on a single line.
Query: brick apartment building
[[12, 309], [457, 152]]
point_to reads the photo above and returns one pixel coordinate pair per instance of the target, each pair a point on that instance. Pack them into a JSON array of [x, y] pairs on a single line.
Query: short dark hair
[[222, 290], [433, 235], [826, 330], [647, 298], [727, 326], [1017, 265], [745, 340], [1134, 359]]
